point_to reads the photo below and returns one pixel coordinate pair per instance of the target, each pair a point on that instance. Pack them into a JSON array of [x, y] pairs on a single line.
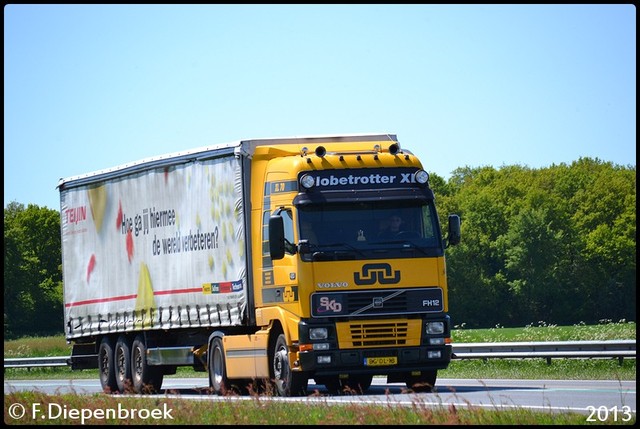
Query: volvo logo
[[327, 285], [376, 273]]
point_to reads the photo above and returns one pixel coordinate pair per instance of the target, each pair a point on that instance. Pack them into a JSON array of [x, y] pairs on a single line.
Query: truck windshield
[[365, 229]]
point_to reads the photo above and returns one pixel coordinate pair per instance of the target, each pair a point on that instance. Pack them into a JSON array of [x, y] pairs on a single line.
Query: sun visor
[[415, 194]]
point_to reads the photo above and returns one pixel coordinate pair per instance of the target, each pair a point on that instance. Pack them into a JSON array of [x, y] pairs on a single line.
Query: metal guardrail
[[619, 349], [548, 350], [38, 362]]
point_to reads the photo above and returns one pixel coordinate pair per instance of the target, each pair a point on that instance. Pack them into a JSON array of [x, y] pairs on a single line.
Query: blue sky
[[88, 87]]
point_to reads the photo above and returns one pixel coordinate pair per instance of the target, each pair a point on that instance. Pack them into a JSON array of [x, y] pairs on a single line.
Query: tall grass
[[605, 330], [37, 347], [104, 409]]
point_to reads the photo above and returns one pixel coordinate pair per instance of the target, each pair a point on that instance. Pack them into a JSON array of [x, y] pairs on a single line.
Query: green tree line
[[32, 271], [555, 244]]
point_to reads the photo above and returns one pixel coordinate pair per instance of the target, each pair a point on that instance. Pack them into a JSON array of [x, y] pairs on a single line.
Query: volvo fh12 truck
[[273, 261]]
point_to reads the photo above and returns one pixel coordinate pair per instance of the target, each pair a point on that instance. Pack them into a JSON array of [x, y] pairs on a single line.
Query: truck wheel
[[423, 382], [287, 382], [218, 380], [106, 366], [146, 378], [122, 354]]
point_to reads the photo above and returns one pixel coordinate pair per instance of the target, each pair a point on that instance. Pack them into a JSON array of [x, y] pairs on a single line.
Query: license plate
[[381, 361]]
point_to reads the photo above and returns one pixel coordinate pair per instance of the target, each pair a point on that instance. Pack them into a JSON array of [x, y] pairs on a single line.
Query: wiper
[[305, 247], [406, 244], [342, 244]]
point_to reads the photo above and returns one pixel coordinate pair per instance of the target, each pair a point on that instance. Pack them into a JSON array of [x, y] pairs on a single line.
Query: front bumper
[[408, 359]]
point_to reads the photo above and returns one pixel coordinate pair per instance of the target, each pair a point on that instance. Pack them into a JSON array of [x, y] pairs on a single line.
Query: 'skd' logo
[[372, 273]]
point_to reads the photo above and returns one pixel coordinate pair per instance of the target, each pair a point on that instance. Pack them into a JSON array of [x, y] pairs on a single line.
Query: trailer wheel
[[122, 354], [423, 382], [287, 382], [218, 380], [106, 366], [146, 378]]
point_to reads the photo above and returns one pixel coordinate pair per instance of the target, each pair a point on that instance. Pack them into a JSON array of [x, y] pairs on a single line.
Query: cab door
[[280, 276]]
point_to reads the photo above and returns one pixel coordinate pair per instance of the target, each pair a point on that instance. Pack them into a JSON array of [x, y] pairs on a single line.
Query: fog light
[[436, 341], [434, 354], [321, 346], [323, 359]]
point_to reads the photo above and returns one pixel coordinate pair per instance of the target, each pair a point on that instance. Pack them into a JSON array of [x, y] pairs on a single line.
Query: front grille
[[380, 302], [379, 334]]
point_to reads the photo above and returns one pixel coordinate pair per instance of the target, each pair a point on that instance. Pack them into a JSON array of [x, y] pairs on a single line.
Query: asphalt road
[[593, 398]]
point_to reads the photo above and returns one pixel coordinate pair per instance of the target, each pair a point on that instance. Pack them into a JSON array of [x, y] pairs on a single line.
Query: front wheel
[[287, 382], [218, 380]]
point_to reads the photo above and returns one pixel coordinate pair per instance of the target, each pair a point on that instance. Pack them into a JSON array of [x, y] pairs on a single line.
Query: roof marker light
[[307, 181], [421, 176]]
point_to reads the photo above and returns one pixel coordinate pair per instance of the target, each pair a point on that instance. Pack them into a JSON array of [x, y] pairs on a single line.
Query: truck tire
[[107, 366], [423, 382], [122, 354], [145, 378], [286, 382], [218, 380]]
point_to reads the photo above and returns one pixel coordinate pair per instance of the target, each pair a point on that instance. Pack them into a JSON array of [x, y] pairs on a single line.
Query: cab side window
[[287, 218]]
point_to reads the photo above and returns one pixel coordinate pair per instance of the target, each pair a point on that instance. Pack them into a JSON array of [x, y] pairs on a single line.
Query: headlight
[[435, 328], [318, 333]]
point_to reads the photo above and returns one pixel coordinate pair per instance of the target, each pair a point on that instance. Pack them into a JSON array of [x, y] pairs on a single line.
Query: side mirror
[[276, 237], [453, 236]]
